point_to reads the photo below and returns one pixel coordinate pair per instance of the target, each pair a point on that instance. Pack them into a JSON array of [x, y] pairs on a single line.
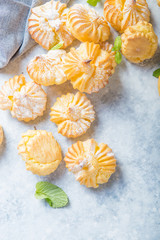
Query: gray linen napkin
[[14, 36]]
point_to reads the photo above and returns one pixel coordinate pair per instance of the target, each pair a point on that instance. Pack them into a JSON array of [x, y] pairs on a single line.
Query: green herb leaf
[[118, 57], [113, 49], [59, 45], [49, 201], [54, 195], [117, 43], [93, 2], [156, 73]]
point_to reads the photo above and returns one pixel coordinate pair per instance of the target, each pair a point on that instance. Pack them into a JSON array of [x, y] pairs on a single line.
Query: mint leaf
[[118, 57], [59, 45], [116, 49], [54, 195], [117, 43], [93, 2], [49, 201], [156, 73]]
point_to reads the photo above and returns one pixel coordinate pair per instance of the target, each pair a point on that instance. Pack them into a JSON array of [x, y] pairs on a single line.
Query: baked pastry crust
[[86, 25], [123, 13], [73, 114], [47, 69], [139, 42], [1, 135], [89, 67], [40, 151], [91, 163], [158, 1], [47, 25], [25, 100], [106, 46]]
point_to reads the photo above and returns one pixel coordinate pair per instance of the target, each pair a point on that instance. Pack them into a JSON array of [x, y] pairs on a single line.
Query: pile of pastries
[[88, 68]]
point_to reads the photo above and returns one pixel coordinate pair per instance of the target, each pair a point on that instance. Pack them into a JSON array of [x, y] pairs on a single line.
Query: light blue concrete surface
[[128, 120]]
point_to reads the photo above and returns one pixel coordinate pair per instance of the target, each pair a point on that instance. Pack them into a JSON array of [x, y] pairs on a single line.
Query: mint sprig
[[54, 195], [117, 48], [156, 73], [59, 45], [93, 2], [118, 57], [117, 43]]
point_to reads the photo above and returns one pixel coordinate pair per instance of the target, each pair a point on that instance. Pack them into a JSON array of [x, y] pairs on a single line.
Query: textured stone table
[[128, 120]]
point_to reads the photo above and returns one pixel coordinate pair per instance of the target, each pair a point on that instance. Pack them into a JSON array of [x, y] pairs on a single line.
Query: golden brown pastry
[[86, 25], [123, 13], [47, 25], [40, 151], [89, 67], [73, 114], [139, 42], [25, 100], [108, 47], [91, 163], [1, 134], [47, 69], [158, 1]]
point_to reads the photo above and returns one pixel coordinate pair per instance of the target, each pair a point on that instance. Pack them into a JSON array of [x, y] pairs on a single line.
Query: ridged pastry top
[[40, 151], [47, 69], [139, 42], [108, 47], [91, 163], [73, 114], [123, 13], [25, 100], [1, 134], [86, 25], [47, 25], [89, 67]]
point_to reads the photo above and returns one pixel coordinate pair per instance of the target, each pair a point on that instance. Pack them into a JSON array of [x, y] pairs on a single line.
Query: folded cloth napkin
[[14, 36]]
